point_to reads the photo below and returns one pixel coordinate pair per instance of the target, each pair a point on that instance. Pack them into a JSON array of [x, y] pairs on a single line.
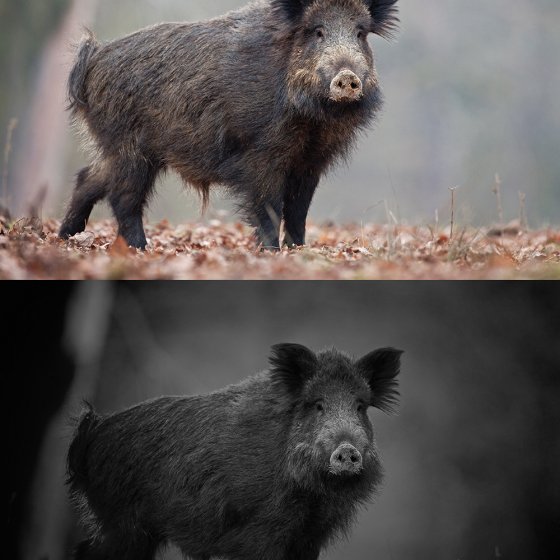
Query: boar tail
[[78, 450], [77, 80]]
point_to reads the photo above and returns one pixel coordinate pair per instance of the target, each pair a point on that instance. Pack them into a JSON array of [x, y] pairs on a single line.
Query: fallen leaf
[[84, 239], [120, 248], [219, 249]]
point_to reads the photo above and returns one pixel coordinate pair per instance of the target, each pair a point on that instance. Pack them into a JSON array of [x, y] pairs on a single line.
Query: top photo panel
[[279, 139]]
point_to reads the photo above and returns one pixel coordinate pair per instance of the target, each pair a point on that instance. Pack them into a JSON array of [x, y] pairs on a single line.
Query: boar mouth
[[333, 473], [345, 100]]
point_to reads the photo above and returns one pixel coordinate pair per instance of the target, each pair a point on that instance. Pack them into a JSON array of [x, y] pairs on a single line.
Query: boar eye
[[319, 406], [319, 33], [361, 407]]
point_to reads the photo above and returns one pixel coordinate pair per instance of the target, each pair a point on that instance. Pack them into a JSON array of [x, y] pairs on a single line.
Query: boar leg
[[266, 217], [90, 188], [297, 199], [131, 185]]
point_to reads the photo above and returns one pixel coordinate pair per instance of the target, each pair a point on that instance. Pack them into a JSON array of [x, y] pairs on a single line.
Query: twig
[[398, 210], [35, 206], [496, 189], [523, 224], [7, 151], [378, 203], [392, 235], [452, 189]]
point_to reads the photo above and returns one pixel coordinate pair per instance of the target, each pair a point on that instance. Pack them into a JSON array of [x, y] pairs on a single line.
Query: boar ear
[[380, 368], [291, 365], [385, 17], [291, 8]]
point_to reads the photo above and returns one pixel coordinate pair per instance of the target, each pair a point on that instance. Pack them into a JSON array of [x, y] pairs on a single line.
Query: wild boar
[[263, 101], [272, 468]]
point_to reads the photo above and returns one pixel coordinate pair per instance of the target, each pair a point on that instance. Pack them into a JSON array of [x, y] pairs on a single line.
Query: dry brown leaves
[[30, 249]]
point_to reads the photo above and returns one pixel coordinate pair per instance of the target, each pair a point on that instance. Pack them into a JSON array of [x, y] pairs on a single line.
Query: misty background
[[472, 459], [472, 90]]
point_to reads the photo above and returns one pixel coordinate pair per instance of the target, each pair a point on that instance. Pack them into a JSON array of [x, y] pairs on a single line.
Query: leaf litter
[[31, 249]]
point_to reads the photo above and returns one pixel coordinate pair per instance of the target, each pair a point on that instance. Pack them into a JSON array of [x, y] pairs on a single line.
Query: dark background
[[472, 459]]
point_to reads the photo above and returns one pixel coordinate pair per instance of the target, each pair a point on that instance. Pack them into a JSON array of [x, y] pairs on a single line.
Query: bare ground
[[30, 249]]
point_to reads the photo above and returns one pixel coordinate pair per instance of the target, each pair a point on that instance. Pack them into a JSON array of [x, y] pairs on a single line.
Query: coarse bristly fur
[[252, 471], [263, 100]]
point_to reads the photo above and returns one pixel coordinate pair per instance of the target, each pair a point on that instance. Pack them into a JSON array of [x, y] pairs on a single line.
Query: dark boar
[[271, 468], [262, 100]]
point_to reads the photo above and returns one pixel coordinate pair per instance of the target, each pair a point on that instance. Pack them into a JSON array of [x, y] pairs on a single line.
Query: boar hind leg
[[131, 186], [297, 199], [90, 188]]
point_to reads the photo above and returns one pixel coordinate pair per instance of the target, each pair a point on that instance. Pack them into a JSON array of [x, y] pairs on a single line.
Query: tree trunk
[[47, 523], [40, 162]]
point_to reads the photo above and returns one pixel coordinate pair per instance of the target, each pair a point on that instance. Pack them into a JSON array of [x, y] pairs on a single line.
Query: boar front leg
[[297, 199], [265, 215]]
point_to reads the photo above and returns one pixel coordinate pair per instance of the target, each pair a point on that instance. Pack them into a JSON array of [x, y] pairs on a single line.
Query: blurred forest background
[[472, 460], [472, 90]]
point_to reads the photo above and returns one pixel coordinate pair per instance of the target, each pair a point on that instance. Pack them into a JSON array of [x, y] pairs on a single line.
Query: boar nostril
[[345, 459], [345, 85]]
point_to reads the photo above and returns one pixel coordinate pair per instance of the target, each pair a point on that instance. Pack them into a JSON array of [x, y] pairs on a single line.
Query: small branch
[[398, 210], [452, 189], [7, 151], [523, 223], [496, 189]]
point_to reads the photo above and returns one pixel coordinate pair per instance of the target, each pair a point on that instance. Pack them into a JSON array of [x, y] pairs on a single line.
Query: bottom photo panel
[[284, 421]]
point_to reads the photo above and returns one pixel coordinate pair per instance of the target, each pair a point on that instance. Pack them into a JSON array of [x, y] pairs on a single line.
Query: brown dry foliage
[[30, 249]]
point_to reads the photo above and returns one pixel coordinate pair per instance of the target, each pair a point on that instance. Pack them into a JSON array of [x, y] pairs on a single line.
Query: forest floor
[[30, 249]]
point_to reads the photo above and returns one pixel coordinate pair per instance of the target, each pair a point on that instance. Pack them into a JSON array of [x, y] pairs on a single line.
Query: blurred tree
[[25, 25], [67, 333], [38, 39], [37, 385]]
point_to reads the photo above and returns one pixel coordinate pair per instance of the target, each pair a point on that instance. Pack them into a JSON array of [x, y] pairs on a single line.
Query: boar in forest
[[262, 101], [274, 467]]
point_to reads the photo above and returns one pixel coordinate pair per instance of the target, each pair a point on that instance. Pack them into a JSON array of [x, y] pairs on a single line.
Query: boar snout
[[346, 459], [346, 86]]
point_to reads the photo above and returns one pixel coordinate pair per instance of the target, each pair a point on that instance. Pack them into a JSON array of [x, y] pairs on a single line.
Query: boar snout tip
[[346, 86], [345, 459]]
